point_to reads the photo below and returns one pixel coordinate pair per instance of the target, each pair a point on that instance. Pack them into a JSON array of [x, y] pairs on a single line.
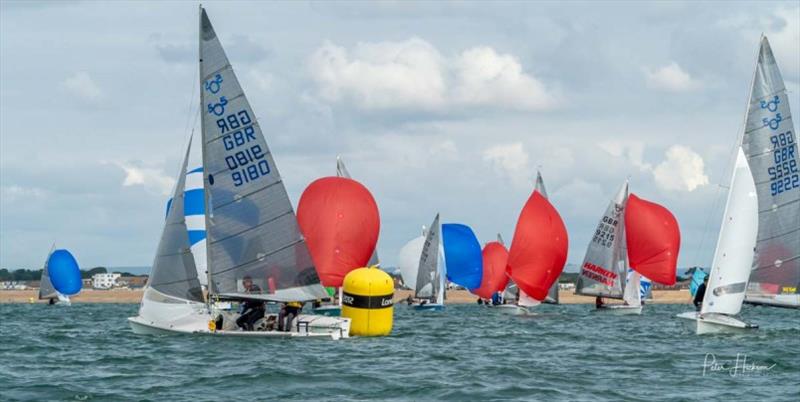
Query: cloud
[[12, 193], [81, 85], [262, 79], [413, 74], [632, 151], [670, 78], [784, 35], [153, 180], [682, 170], [510, 160]]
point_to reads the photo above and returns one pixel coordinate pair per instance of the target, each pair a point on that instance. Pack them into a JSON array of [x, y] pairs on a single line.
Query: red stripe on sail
[[495, 259], [340, 222], [539, 248], [653, 240]]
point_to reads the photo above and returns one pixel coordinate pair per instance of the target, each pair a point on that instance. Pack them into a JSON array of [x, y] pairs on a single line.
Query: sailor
[[252, 310], [289, 311], [480, 301], [409, 300], [496, 299], [598, 302], [700, 294]]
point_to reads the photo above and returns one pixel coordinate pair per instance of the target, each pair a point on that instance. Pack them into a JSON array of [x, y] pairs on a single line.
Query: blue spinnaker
[[64, 272], [462, 255]]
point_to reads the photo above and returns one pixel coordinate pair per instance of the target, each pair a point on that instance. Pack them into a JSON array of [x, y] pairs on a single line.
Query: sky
[[447, 107]]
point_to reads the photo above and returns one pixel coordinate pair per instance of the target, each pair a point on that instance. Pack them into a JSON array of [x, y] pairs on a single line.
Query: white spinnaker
[[408, 261], [733, 256]]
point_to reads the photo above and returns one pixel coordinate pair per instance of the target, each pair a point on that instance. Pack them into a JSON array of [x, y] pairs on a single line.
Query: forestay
[[604, 268], [770, 144], [251, 225]]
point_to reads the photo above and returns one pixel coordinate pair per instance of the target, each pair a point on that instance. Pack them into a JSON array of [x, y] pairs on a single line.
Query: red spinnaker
[[653, 240], [539, 248], [340, 222], [495, 259]]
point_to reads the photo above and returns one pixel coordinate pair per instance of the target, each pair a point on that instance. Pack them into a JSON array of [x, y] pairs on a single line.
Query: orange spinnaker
[[539, 248], [653, 240], [340, 222], [495, 259]]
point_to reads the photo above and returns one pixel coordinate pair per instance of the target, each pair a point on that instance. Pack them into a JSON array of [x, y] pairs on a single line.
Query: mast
[[203, 136]]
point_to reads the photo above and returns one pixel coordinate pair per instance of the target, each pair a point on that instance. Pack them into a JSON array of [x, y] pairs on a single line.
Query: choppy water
[[466, 353]]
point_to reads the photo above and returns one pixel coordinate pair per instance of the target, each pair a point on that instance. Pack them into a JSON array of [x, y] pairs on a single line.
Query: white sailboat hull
[[712, 323], [620, 309], [306, 326], [512, 309], [428, 307]]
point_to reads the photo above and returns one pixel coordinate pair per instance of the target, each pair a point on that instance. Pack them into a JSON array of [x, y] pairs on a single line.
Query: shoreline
[[134, 296]]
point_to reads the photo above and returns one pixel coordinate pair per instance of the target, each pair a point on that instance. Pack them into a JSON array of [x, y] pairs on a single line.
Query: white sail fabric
[[552, 294], [408, 261], [539, 185], [632, 293], [341, 171], [770, 144], [251, 226], [733, 256], [429, 273], [604, 268], [174, 273], [46, 288]]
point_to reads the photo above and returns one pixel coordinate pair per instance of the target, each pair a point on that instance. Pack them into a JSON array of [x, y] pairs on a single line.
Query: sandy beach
[[453, 297]]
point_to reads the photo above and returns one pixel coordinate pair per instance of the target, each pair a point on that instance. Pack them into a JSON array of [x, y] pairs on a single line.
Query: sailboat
[[61, 277], [538, 251], [495, 260], [421, 263], [251, 229], [634, 237], [759, 241], [463, 254]]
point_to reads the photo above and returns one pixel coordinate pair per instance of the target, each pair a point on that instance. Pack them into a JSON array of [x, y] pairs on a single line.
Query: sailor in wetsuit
[[700, 294], [253, 310]]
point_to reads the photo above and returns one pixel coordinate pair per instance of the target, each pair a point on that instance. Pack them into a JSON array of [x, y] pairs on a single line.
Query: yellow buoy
[[368, 300]]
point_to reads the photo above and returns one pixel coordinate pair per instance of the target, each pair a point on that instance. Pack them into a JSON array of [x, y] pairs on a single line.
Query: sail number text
[[245, 161], [783, 174]]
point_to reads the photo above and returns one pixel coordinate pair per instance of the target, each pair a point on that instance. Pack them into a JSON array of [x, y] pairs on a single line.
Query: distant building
[[104, 281]]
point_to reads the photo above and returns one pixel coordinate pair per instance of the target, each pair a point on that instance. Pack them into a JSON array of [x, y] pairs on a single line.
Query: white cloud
[[81, 85], [510, 160], [153, 180], [484, 77], [414, 74], [683, 170], [633, 152], [784, 37], [262, 79], [13, 193], [670, 78]]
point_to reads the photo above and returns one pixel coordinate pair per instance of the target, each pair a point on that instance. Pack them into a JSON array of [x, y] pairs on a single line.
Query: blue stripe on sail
[[196, 236], [196, 170], [462, 253], [193, 202]]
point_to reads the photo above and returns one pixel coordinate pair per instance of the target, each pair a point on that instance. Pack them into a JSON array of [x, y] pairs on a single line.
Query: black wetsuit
[[252, 311], [699, 296]]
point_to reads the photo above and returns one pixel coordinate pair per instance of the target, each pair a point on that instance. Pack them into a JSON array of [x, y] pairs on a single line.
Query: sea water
[[468, 352]]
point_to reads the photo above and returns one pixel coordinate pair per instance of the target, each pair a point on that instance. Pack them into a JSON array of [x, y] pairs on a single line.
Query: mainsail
[[251, 226], [429, 274], [770, 144], [46, 289], [604, 268], [341, 171], [174, 273], [734, 253]]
